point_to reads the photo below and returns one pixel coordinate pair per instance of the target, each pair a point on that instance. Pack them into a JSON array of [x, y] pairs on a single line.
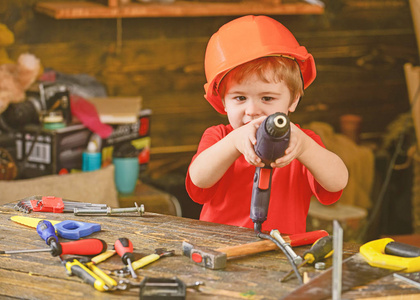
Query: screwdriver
[[321, 249], [124, 248], [46, 231], [81, 247]]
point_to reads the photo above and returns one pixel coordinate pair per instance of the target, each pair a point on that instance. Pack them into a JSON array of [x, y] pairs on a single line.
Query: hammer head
[[208, 258]]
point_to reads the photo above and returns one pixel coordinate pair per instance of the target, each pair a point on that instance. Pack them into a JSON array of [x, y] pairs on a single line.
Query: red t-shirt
[[228, 201]]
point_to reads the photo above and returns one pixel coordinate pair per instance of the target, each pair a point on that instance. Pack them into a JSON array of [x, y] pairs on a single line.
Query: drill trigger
[[265, 177]]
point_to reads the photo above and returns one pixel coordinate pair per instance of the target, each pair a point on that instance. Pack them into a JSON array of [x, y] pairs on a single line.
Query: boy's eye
[[240, 98], [267, 98]]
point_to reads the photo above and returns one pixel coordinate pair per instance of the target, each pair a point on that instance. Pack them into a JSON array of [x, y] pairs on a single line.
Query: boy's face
[[253, 98]]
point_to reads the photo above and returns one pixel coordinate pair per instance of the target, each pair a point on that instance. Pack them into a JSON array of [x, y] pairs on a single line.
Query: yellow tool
[[77, 268], [377, 254], [31, 222], [111, 283], [103, 256], [145, 261], [140, 263], [152, 257]]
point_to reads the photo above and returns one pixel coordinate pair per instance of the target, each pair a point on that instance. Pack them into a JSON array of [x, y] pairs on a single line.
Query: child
[[254, 68]]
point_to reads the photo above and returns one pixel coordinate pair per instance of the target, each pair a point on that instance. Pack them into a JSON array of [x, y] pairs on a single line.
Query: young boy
[[254, 68]]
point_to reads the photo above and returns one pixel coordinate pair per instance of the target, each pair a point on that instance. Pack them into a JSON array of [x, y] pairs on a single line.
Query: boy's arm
[[327, 168], [211, 164]]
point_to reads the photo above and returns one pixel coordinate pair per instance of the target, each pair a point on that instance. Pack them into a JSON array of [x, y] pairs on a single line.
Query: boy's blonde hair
[[268, 69]]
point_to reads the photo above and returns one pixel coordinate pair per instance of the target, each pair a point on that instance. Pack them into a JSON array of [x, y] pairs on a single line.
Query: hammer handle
[[249, 248], [300, 239]]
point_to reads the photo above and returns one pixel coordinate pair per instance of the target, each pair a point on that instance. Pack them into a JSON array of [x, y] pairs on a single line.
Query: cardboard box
[[117, 110], [60, 151]]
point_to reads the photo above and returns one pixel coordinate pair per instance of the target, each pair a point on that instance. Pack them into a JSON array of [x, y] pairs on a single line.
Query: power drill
[[273, 138]]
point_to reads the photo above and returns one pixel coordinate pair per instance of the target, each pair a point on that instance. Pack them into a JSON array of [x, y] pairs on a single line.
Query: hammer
[[216, 259]]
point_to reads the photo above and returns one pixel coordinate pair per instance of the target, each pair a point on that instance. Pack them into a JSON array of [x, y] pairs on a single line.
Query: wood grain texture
[[40, 276], [88, 10]]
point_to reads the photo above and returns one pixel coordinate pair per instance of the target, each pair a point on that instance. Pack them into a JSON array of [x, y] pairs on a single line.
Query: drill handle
[[261, 191]]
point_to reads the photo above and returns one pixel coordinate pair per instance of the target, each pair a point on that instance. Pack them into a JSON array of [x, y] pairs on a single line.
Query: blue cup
[[126, 173], [91, 161]]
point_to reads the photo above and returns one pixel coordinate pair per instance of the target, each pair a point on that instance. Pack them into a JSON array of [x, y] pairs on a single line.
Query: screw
[[109, 211]]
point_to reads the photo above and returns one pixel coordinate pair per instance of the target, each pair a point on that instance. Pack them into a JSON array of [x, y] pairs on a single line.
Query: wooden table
[[41, 276]]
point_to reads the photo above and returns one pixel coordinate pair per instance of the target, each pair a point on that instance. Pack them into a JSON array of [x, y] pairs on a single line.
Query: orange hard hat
[[245, 39]]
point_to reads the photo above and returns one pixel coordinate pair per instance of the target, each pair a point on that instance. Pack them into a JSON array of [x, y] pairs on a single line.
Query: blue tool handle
[[47, 232], [74, 230]]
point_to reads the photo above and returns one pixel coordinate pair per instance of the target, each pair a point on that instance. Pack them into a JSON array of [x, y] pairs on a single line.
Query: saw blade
[[29, 221], [355, 272]]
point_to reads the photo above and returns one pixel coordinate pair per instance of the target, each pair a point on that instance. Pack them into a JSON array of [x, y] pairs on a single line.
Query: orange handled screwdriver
[[124, 248]]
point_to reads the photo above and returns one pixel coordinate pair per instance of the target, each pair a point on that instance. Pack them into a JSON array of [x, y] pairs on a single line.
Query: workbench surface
[[41, 276]]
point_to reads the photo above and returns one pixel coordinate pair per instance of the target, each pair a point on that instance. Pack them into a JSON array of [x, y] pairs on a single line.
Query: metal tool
[[411, 278], [53, 204], [23, 207], [296, 258], [109, 211], [124, 248], [144, 261], [359, 270], [321, 249], [68, 229], [216, 259], [162, 288], [337, 260]]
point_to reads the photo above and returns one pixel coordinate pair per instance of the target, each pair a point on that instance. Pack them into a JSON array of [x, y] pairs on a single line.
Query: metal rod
[[296, 258], [337, 260], [26, 251]]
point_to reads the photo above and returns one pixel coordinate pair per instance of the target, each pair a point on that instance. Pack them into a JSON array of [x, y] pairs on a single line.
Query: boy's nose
[[253, 109]]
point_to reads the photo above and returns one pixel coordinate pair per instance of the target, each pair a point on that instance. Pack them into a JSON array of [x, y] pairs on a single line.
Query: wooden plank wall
[[359, 47]]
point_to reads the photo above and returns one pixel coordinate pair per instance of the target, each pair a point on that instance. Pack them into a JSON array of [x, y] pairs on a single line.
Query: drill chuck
[[277, 125], [273, 138]]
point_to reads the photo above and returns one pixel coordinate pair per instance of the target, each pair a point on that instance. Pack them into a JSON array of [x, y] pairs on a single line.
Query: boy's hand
[[244, 139], [296, 147]]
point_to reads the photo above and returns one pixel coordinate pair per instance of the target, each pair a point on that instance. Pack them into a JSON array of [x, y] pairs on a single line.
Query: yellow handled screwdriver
[[321, 249]]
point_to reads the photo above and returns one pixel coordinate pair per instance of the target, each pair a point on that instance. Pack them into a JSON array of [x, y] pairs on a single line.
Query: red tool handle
[[84, 247], [307, 238], [124, 248]]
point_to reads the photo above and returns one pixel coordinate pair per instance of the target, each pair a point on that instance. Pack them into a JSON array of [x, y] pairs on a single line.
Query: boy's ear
[[294, 104]]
